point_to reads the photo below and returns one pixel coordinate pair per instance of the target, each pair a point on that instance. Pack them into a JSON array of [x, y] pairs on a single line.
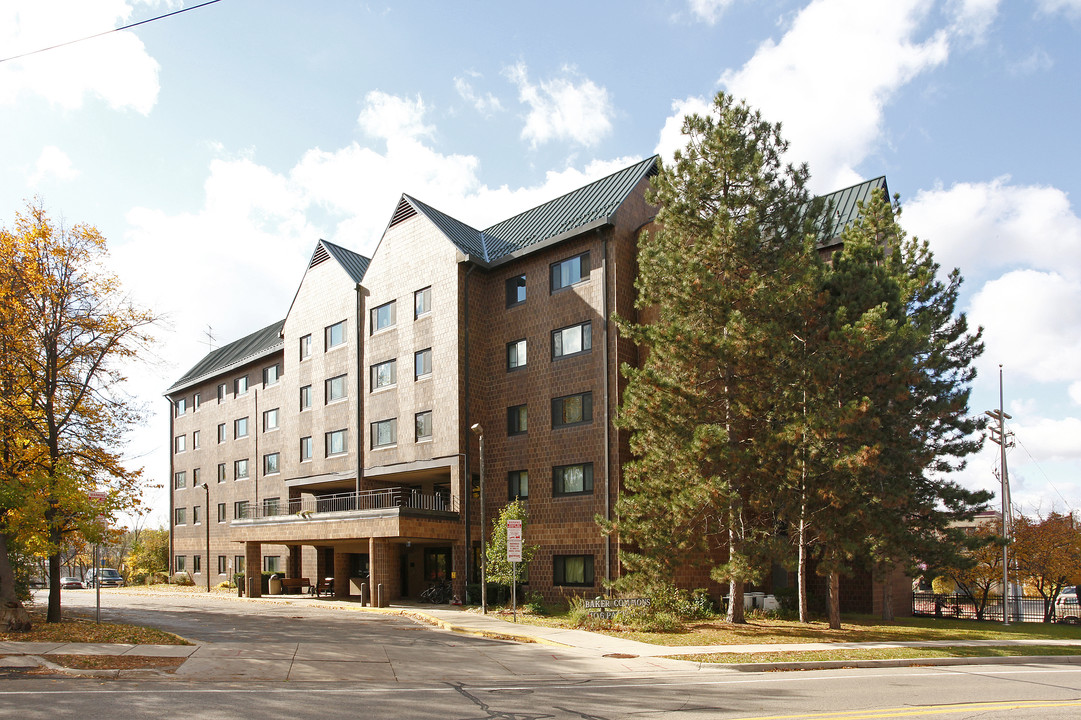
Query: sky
[[213, 148]]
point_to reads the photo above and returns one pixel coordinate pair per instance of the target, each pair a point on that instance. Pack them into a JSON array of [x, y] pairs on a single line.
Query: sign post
[[514, 556], [97, 496]]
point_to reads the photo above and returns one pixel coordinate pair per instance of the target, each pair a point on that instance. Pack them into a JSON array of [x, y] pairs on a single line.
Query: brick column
[[385, 569], [253, 567], [292, 562], [341, 574]]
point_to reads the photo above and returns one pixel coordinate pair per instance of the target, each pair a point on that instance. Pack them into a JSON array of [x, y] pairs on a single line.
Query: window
[[306, 449], [424, 425], [196, 401], [180, 443], [336, 442], [180, 516], [197, 514], [221, 512], [422, 363], [384, 374], [515, 290], [272, 563], [384, 433], [572, 479], [221, 472], [271, 506], [271, 463], [518, 484], [240, 509], [422, 302], [334, 388], [240, 386], [222, 434], [180, 480], [573, 570], [196, 564], [181, 407], [570, 271], [572, 340], [240, 428], [306, 397], [517, 420], [240, 469], [222, 566], [180, 563], [238, 563], [195, 477], [306, 347], [334, 335], [270, 375], [516, 354], [195, 440], [270, 419], [383, 316], [572, 410], [221, 392]]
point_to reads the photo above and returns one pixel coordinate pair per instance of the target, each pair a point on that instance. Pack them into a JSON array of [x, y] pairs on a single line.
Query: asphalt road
[[1016, 691]]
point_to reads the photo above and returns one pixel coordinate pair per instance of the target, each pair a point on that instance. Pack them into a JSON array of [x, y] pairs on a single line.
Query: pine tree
[[722, 279]]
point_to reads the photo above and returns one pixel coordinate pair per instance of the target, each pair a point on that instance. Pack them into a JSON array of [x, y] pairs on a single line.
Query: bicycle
[[438, 593]]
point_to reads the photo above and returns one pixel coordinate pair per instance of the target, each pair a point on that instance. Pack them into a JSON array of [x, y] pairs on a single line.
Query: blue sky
[[213, 149]]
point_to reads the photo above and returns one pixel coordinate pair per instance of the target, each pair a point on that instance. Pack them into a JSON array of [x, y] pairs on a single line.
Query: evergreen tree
[[722, 280]]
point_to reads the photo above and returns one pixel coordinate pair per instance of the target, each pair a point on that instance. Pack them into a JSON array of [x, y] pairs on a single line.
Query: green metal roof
[[236, 353], [354, 264], [842, 208]]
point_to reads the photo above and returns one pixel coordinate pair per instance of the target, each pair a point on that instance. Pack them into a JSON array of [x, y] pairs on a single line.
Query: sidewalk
[[572, 654]]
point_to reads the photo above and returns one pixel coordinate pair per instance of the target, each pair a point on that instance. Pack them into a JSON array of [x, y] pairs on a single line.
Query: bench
[[296, 585], [323, 587]]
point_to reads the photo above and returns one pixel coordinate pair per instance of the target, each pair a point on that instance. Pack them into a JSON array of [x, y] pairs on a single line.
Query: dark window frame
[[514, 485], [559, 571], [555, 272], [512, 347], [392, 310], [514, 420], [513, 284], [559, 403], [559, 480], [585, 339]]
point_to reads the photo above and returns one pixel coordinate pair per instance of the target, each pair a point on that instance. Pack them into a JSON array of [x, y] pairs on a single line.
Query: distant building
[[336, 442]]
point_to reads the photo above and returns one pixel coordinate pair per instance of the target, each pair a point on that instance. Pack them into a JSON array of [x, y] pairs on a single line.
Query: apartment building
[[337, 442]]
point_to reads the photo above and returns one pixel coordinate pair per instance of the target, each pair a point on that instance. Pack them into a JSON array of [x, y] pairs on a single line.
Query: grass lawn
[[854, 629], [880, 654]]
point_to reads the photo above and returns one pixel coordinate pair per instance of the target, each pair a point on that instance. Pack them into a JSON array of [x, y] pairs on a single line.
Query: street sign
[[97, 495], [514, 541]]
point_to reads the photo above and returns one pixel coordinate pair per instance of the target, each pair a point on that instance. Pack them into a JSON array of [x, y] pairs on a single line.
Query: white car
[[1067, 609]]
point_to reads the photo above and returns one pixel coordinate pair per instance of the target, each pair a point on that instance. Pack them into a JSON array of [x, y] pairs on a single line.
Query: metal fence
[[1022, 608], [380, 499]]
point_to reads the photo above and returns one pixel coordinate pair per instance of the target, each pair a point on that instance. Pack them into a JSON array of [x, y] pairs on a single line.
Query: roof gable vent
[[403, 212], [319, 256]]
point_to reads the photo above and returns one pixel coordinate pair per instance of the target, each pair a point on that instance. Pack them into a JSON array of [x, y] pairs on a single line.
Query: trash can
[[275, 585]]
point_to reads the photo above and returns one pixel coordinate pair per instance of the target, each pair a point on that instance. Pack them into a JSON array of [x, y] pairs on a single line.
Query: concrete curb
[[894, 662]]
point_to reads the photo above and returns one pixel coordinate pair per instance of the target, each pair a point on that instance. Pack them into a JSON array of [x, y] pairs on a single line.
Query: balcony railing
[[381, 499]]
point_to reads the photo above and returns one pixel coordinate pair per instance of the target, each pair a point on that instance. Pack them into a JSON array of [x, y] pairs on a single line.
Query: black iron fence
[[1022, 608], [380, 499]]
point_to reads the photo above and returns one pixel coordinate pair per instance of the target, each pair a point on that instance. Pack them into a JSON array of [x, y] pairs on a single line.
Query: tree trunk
[[887, 598], [54, 615], [801, 570], [13, 616], [735, 602], [835, 600]]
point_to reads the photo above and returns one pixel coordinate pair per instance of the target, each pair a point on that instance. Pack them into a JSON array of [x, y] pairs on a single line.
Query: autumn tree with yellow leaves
[[66, 328]]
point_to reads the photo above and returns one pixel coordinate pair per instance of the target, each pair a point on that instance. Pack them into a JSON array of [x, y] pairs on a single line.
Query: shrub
[[182, 578]]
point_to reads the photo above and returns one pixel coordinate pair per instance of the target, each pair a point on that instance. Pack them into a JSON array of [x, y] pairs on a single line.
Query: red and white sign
[[514, 541], [97, 495]]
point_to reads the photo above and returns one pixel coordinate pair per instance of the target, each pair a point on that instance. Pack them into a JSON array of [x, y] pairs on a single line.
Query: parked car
[[1067, 608], [103, 577], [71, 583]]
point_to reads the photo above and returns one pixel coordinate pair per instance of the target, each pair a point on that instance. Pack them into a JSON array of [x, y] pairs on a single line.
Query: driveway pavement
[[300, 638]]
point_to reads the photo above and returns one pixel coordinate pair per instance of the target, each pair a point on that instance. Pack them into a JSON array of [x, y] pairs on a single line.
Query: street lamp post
[[479, 431], [206, 523]]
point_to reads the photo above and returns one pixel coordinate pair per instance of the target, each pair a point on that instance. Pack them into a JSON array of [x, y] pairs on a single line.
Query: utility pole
[[1002, 440]]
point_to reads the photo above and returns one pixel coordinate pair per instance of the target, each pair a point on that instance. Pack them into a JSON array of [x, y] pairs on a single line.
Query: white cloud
[[987, 227], [671, 137], [392, 118], [1075, 392], [972, 18], [562, 109], [1032, 325], [818, 80], [52, 163], [486, 104], [709, 11], [115, 67], [1053, 6], [1037, 61]]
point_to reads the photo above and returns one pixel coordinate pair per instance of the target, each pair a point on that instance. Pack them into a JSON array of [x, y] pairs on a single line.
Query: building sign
[[606, 608], [514, 541]]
